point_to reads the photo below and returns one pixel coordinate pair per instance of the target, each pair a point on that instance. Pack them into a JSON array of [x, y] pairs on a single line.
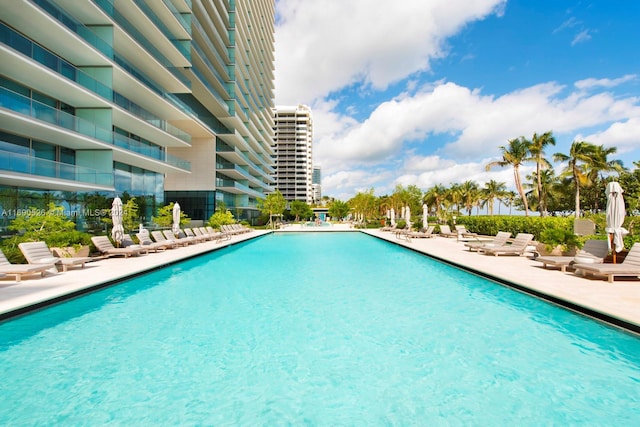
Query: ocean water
[[314, 329]]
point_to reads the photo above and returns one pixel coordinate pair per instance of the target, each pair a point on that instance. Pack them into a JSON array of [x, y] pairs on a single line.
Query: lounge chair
[[219, 235], [593, 252], [39, 253], [127, 242], [146, 242], [425, 234], [629, 267], [445, 231], [190, 233], [19, 270], [500, 239], [463, 233], [104, 245], [519, 246], [181, 240]]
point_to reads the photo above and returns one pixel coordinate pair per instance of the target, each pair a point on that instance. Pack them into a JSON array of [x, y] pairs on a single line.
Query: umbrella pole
[[613, 249]]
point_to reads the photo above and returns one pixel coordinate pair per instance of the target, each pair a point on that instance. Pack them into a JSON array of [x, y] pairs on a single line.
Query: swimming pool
[[317, 329]]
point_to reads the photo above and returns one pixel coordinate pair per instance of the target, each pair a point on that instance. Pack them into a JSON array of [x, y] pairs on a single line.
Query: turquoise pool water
[[314, 329]]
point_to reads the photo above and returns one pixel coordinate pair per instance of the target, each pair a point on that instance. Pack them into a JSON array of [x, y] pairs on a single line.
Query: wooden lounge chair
[[181, 240], [425, 234], [593, 252], [219, 235], [104, 245], [500, 239], [39, 253], [463, 234], [19, 270], [630, 267], [519, 246], [190, 233], [445, 231], [146, 242]]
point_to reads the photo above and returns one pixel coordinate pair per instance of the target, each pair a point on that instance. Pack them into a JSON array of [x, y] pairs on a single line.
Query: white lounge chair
[[445, 231], [20, 270], [629, 267], [39, 253], [519, 246], [500, 239], [593, 252], [104, 245]]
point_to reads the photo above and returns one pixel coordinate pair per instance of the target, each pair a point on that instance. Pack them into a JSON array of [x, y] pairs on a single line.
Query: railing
[[42, 56], [77, 27], [22, 163], [27, 106]]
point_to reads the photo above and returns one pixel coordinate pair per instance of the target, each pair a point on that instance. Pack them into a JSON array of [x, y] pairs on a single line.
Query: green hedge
[[490, 225]]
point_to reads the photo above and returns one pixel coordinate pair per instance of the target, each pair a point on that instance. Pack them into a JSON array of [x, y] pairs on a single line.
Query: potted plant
[[557, 241]]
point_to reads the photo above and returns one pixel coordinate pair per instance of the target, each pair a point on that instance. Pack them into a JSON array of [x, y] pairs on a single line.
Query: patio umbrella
[[392, 217], [407, 215], [117, 232], [425, 215], [615, 217], [176, 219]]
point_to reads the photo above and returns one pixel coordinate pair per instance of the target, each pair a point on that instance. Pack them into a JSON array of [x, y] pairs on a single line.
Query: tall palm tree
[[470, 195], [580, 156], [514, 154], [536, 148], [600, 165], [492, 190], [435, 196]]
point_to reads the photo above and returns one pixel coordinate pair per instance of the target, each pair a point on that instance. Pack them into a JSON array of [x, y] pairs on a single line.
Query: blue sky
[[424, 92]]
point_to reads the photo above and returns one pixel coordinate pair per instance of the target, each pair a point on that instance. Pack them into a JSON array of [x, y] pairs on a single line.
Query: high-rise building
[[316, 184], [294, 153], [161, 100]]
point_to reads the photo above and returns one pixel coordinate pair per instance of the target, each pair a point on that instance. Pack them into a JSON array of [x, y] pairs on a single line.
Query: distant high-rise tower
[[293, 152], [316, 184]]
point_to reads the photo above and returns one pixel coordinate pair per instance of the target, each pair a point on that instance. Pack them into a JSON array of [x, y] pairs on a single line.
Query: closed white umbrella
[[393, 217], [176, 219], [616, 213], [407, 216], [425, 216], [117, 232]]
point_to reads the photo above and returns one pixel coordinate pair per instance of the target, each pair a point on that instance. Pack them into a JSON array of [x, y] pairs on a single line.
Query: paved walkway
[[619, 301]]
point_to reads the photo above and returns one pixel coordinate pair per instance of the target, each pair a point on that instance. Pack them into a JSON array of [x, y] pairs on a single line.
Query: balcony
[[82, 177]]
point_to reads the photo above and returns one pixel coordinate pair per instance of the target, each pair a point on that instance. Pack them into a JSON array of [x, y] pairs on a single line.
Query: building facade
[[158, 100], [316, 184], [294, 152]]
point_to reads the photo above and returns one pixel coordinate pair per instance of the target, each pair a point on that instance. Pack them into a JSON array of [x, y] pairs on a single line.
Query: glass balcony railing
[[34, 51], [77, 27], [22, 163], [23, 105], [182, 45], [107, 7]]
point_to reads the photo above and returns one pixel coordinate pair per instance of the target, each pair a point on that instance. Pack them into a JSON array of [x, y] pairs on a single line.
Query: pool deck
[[618, 302]]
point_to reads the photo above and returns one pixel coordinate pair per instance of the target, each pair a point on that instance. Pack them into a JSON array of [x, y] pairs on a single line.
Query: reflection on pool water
[[318, 329]]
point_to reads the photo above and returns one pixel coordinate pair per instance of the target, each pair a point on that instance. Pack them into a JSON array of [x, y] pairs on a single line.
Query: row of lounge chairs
[[40, 258], [162, 240], [588, 261]]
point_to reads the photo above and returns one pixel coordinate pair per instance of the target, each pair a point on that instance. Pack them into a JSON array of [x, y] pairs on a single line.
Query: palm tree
[[536, 148], [492, 190], [581, 155], [514, 154], [470, 195], [435, 196], [599, 165]]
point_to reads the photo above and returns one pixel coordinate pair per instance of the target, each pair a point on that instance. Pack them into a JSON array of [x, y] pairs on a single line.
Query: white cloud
[[605, 83], [374, 42], [472, 126], [582, 37]]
